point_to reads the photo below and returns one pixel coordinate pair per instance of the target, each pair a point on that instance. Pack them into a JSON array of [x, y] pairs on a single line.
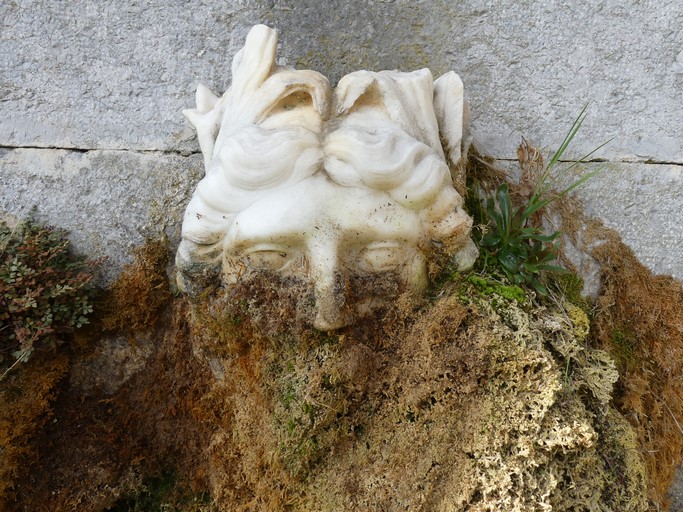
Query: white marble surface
[[309, 181]]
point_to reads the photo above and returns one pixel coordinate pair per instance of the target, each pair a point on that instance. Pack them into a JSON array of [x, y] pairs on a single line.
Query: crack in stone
[[87, 150], [649, 161]]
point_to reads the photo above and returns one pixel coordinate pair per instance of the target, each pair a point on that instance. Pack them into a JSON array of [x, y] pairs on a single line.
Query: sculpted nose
[[330, 299], [329, 283]]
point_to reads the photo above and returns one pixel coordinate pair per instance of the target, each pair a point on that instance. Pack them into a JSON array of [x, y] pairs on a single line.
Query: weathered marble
[[324, 185]]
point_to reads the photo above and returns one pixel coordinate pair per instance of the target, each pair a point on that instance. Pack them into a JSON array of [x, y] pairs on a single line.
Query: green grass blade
[[534, 205], [568, 138], [576, 184], [584, 158], [505, 208]]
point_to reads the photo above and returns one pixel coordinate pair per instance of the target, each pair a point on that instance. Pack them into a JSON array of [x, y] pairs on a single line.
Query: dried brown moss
[[45, 295], [438, 407], [102, 448], [638, 319], [133, 303], [103, 445], [451, 404], [26, 404]]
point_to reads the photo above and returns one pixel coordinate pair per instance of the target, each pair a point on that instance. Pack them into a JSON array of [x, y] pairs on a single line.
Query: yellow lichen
[[579, 320]]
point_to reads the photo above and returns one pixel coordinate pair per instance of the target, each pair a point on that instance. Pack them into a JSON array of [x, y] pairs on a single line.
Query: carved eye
[[266, 260], [380, 256]]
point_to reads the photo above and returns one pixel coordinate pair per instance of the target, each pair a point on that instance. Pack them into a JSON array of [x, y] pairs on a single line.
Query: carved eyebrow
[[379, 244], [237, 240]]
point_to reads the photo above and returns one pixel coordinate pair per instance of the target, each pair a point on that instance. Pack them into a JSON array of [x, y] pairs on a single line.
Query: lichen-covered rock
[[439, 406]]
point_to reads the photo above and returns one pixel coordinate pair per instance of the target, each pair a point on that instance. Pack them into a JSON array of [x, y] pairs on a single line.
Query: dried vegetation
[[45, 294], [638, 319], [133, 303], [477, 398], [445, 405]]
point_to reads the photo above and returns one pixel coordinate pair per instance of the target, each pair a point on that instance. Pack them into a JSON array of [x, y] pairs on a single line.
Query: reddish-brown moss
[[26, 404], [134, 302], [639, 318], [241, 397], [102, 446], [45, 295]]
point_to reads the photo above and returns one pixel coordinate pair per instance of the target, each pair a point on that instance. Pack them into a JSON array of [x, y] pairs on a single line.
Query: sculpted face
[[333, 188], [320, 231]]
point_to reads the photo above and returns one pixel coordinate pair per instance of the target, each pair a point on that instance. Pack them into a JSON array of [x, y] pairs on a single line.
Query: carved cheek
[[233, 268], [399, 257], [414, 273]]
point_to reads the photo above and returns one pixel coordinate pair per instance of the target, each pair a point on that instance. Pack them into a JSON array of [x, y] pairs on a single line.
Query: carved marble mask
[[321, 185]]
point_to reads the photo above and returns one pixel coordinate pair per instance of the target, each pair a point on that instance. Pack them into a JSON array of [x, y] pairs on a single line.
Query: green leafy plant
[[523, 250], [45, 291]]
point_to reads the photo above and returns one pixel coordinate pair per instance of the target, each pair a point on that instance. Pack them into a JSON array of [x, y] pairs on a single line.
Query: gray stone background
[[91, 94]]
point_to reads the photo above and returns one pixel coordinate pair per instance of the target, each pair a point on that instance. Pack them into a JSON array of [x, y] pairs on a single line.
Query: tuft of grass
[[523, 251], [513, 235]]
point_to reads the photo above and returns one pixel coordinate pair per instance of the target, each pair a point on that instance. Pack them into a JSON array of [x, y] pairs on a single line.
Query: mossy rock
[[445, 406]]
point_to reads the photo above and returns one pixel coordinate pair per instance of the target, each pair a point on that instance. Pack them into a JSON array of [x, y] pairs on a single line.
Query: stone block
[[93, 75], [109, 201], [643, 202]]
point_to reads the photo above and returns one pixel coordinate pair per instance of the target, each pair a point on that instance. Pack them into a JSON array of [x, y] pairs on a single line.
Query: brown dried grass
[[101, 447], [638, 318], [26, 405]]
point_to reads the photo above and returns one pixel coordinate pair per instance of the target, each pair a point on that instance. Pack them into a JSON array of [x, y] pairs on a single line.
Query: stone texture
[[643, 202], [109, 201], [109, 365], [115, 76], [89, 74], [676, 492]]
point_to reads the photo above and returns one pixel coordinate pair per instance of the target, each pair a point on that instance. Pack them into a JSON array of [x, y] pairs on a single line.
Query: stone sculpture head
[[321, 185]]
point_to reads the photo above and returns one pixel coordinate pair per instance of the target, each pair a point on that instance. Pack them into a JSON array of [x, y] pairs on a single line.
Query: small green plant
[[45, 291], [488, 286], [523, 250]]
